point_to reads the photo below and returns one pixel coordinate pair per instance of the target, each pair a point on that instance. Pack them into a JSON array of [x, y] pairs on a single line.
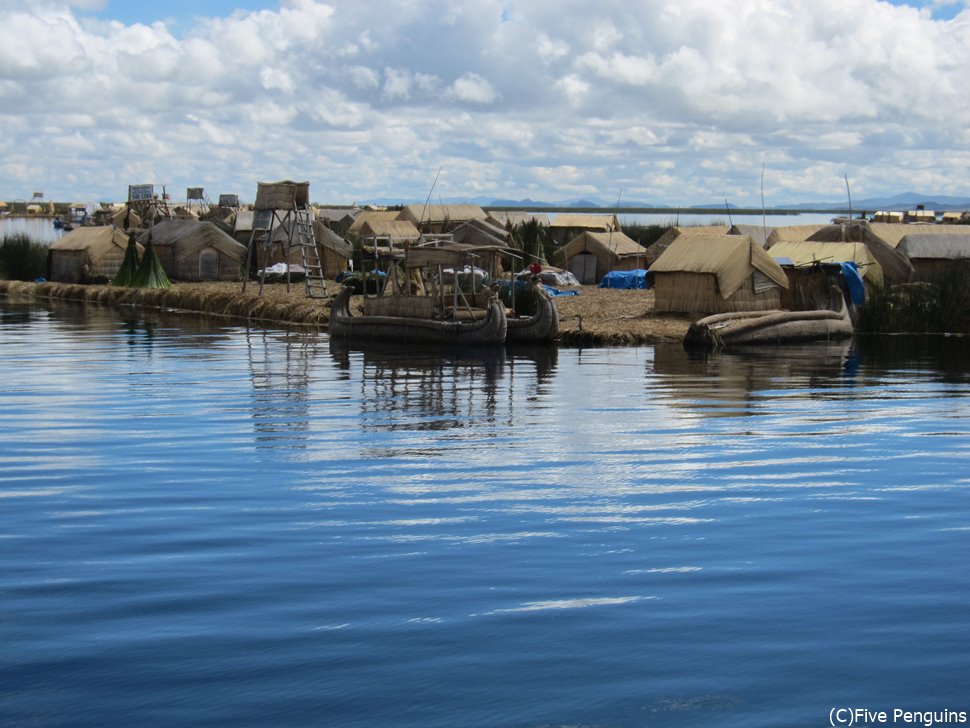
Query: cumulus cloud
[[545, 99]]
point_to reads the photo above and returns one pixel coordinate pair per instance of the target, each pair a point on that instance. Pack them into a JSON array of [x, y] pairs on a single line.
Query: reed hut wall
[[88, 254], [698, 293], [809, 289], [335, 252]]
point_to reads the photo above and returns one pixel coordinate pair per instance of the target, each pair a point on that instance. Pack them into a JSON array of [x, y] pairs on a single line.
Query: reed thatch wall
[[696, 293], [88, 253]]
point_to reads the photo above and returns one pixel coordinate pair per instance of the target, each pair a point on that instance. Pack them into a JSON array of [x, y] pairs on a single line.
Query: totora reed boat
[[420, 306]]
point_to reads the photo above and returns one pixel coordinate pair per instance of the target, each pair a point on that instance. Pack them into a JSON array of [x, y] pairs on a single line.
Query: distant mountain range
[[904, 201]]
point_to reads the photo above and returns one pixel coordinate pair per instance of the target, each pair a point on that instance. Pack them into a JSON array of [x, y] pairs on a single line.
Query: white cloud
[[473, 88], [673, 98]]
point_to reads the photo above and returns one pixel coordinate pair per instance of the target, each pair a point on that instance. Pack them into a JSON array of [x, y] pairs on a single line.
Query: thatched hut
[[88, 254], [933, 255], [664, 241], [440, 218], [707, 274], [190, 250], [591, 255], [896, 267], [889, 216]]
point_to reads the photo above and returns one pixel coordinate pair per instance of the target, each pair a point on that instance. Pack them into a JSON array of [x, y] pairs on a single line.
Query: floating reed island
[[595, 317]]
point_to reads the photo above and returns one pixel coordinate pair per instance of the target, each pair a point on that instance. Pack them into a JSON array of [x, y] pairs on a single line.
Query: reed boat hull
[[488, 331], [542, 326], [744, 328]]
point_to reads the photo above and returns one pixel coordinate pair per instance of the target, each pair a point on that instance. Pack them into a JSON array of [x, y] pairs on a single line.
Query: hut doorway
[[209, 265], [583, 266]]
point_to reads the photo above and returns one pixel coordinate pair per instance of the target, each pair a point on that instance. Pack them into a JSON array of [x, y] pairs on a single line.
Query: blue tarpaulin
[[853, 280], [625, 279]]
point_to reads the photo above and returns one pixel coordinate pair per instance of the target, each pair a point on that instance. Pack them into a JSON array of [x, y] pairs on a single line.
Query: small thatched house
[[896, 267], [190, 250], [88, 254], [664, 241], [440, 218], [888, 216], [934, 255], [591, 255], [707, 274]]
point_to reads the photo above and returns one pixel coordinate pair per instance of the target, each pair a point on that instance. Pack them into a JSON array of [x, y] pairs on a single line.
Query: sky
[[662, 102]]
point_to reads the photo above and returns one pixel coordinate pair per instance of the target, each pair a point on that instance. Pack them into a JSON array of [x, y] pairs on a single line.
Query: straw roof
[[189, 237], [792, 232], [480, 232], [95, 240], [893, 233], [923, 246], [730, 258], [437, 214], [663, 242], [393, 229], [505, 218], [805, 252], [758, 233], [371, 216], [585, 221]]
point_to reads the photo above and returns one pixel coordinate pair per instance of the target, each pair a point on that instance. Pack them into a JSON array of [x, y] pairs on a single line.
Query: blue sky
[[664, 102], [182, 12]]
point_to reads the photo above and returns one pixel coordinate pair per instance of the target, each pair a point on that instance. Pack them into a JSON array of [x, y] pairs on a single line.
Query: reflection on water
[[205, 523]]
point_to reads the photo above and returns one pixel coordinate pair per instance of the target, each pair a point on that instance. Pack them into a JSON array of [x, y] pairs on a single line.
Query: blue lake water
[[204, 524]]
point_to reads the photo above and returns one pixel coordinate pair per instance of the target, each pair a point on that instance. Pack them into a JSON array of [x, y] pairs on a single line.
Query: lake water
[[204, 524], [40, 229]]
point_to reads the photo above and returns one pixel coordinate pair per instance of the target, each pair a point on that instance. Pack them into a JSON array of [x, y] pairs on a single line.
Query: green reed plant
[[941, 306], [22, 258]]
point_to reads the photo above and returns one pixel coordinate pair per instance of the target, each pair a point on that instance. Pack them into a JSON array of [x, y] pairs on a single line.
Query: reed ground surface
[[597, 316]]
